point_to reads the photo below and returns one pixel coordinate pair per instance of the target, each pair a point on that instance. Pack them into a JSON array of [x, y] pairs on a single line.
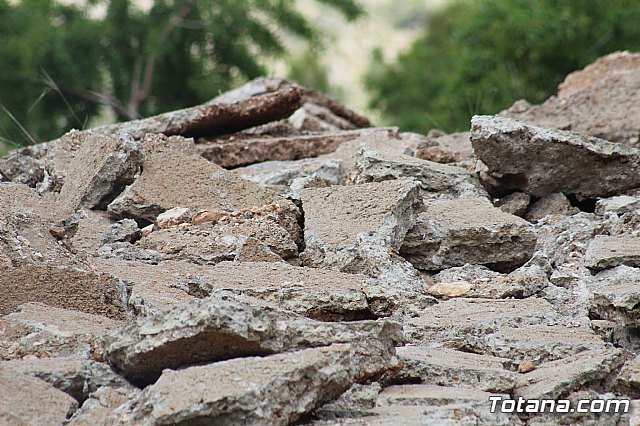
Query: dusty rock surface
[[270, 258]]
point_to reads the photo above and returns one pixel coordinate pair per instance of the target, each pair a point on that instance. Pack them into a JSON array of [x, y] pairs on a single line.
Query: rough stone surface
[[445, 148], [28, 400], [261, 390], [515, 203], [216, 329], [557, 378], [101, 168], [628, 381], [598, 101], [165, 184], [609, 252], [359, 229], [102, 407], [533, 159], [615, 296], [439, 366], [373, 166], [455, 232], [19, 168], [620, 205], [556, 204]]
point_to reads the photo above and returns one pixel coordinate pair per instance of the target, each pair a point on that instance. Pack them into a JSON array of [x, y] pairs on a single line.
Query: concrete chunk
[[446, 367], [557, 378], [215, 329], [100, 170], [608, 252], [28, 400], [277, 390], [534, 159], [456, 232], [615, 296], [358, 229], [165, 183]]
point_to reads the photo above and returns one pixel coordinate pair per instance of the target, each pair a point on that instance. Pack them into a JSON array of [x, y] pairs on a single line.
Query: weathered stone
[[615, 296], [455, 232], [351, 404], [445, 148], [425, 394], [74, 375], [628, 381], [557, 378], [101, 407], [242, 150], [515, 203], [608, 252], [358, 229], [534, 159], [45, 331], [278, 389], [619, 205], [100, 170], [63, 287], [598, 101], [556, 204], [214, 118], [125, 230], [20, 168], [216, 329], [165, 183], [374, 166], [446, 367], [280, 175], [28, 400]]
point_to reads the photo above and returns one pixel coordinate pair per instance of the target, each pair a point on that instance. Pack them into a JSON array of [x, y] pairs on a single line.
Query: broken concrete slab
[[242, 150], [451, 320], [599, 101], [262, 390], [351, 404], [628, 380], [28, 400], [456, 232], [440, 179], [557, 378], [446, 367], [101, 168], [61, 286], [215, 329], [615, 296], [533, 159], [424, 395], [359, 228], [73, 375], [619, 205], [203, 186], [19, 168], [214, 118], [608, 252], [45, 331]]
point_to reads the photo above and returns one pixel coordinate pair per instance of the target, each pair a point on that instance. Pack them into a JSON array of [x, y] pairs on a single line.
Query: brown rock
[[27, 400], [526, 367], [445, 148]]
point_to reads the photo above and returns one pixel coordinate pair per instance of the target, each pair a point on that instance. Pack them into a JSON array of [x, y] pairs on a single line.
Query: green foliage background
[[479, 56], [61, 68]]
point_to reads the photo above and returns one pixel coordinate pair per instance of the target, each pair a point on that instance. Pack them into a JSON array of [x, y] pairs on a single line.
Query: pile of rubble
[[269, 258]]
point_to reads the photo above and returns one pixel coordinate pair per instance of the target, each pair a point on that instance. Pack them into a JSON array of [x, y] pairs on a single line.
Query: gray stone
[[557, 378], [360, 228], [615, 296], [445, 148], [534, 159], [31, 401], [378, 166], [277, 389], [353, 403], [608, 252], [619, 205], [100, 170], [73, 375], [455, 232], [446, 367], [101, 409], [628, 381], [515, 203], [552, 204], [216, 329], [20, 168], [125, 230]]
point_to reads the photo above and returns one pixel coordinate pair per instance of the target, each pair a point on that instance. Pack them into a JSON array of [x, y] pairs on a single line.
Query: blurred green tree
[[479, 56], [61, 66]]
